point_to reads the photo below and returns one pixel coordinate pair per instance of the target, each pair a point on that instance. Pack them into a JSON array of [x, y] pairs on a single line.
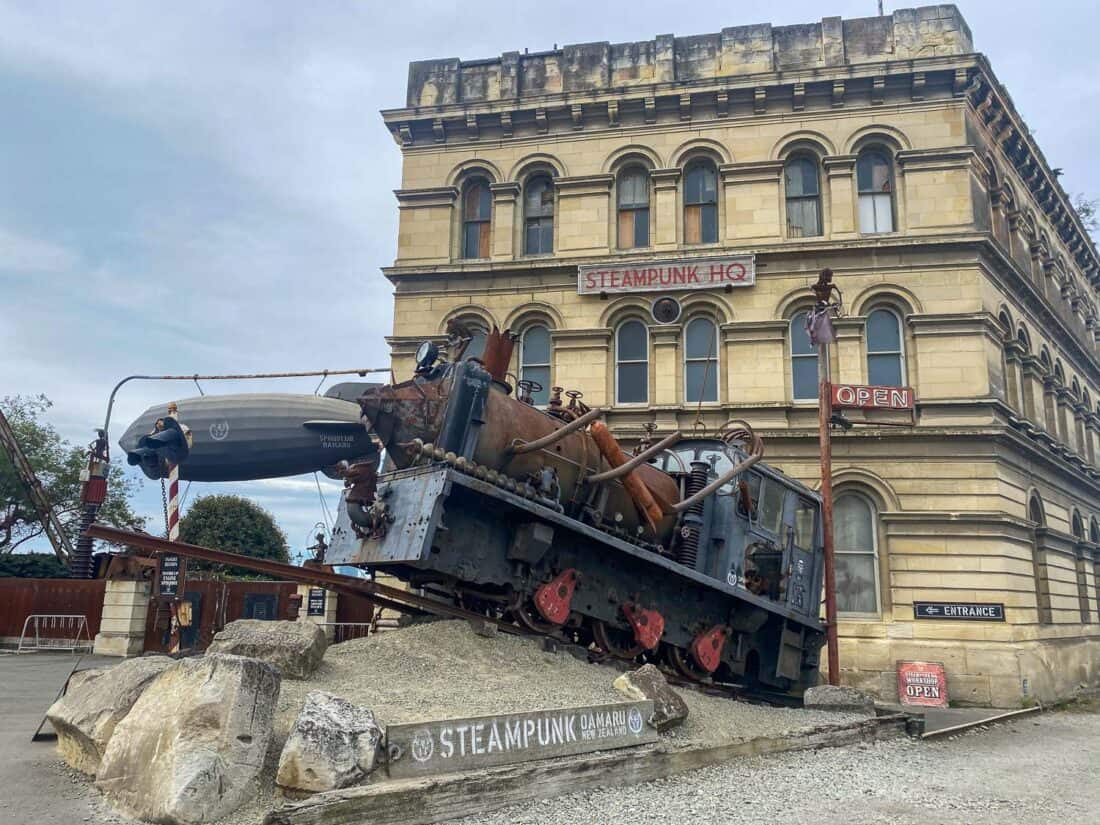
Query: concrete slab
[[36, 789]]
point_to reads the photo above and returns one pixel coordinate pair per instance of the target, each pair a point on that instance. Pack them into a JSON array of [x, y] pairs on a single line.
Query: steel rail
[[383, 595]]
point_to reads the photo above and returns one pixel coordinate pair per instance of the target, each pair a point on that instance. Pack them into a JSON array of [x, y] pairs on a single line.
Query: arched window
[[1036, 514], [478, 336], [856, 545], [632, 363], [803, 191], [1035, 511], [885, 361], [633, 202], [701, 203], [1077, 527], [534, 360], [804, 381], [538, 215], [875, 179], [477, 210], [700, 361]]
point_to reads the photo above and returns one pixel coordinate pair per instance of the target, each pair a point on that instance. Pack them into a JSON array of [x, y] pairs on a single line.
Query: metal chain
[[164, 503]]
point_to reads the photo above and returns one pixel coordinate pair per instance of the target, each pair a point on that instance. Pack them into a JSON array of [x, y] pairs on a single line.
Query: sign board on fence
[[454, 745], [667, 276], [315, 606], [872, 397], [169, 574], [959, 611], [922, 683]]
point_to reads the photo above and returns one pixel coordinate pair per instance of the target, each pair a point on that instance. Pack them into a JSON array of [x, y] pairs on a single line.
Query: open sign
[[922, 683], [872, 397]]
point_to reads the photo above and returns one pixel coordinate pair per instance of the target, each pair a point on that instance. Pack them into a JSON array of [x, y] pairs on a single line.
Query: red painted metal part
[[706, 648], [553, 600], [649, 625]]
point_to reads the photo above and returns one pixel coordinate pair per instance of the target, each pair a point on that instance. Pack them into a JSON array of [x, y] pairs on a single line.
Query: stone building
[[884, 148]]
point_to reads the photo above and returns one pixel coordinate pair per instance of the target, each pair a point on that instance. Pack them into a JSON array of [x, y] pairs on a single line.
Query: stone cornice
[[757, 171], [584, 185], [754, 331], [434, 196], [954, 323], [955, 157], [504, 191], [993, 107], [839, 165]]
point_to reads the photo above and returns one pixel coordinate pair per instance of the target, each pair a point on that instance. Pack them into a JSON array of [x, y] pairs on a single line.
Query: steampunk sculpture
[[691, 550]]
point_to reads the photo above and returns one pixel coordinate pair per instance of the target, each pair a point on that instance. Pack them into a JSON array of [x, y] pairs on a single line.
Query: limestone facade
[[884, 148]]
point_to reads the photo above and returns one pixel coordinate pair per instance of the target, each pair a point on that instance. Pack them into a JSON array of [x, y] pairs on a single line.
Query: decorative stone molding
[[434, 196]]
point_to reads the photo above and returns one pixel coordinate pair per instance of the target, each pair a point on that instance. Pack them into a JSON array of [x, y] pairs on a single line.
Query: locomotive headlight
[[426, 356]]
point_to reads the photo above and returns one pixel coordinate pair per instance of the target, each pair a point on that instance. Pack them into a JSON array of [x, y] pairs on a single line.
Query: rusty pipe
[[641, 458], [725, 478], [519, 448]]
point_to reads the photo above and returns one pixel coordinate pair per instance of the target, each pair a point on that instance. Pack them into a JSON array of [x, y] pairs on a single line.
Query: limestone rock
[[95, 702], [294, 648], [333, 744], [194, 742], [647, 682], [838, 697]]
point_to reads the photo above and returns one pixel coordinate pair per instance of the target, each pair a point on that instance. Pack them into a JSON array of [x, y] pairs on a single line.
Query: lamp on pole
[[820, 329]]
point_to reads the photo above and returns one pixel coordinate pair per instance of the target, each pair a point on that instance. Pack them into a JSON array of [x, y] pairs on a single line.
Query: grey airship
[[252, 436]]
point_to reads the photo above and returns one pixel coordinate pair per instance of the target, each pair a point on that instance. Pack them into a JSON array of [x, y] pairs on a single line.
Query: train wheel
[[683, 664], [616, 642], [527, 616]]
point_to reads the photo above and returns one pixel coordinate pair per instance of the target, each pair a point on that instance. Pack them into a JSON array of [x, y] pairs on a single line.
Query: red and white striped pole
[[173, 535]]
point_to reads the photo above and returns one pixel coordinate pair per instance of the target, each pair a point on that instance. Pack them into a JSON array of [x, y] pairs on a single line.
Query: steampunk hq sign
[[454, 745], [667, 276]]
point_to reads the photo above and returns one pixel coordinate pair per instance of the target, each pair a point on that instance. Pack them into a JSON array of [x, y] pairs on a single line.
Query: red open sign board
[[922, 683], [871, 397]]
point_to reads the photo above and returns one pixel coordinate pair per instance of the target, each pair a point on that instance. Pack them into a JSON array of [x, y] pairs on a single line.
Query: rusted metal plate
[[455, 745]]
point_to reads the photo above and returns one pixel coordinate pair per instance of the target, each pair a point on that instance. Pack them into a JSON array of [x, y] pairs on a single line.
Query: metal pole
[[825, 413]]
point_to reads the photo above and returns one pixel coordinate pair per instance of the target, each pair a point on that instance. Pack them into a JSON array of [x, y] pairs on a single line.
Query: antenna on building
[[880, 8]]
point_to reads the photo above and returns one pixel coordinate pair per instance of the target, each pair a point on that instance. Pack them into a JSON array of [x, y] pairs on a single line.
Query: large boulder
[[838, 698], [94, 703], [194, 741], [294, 648], [647, 682], [333, 744]]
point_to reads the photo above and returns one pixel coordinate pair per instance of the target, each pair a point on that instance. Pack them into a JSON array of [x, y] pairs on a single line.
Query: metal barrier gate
[[54, 632]]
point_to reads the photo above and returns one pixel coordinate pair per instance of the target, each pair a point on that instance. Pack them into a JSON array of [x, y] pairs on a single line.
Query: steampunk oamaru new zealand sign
[[452, 745]]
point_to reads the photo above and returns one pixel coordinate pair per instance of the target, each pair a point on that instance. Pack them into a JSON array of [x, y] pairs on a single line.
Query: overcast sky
[[207, 187]]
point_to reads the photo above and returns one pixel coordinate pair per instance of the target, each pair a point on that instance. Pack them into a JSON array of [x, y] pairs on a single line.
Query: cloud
[[20, 254]]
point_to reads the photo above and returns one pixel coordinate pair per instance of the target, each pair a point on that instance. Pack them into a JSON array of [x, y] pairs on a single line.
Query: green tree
[[1087, 209], [32, 566], [235, 525], [58, 465]]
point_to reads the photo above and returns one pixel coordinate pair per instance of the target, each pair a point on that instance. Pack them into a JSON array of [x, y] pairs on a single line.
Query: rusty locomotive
[[691, 550]]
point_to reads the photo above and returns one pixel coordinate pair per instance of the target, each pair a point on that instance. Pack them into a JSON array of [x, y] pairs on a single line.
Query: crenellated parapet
[[906, 34]]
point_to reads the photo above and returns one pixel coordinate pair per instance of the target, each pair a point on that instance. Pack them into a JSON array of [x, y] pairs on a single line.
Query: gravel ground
[[1036, 770], [443, 669]]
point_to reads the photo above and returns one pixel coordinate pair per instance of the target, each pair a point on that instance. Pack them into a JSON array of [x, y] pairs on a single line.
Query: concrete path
[[35, 786]]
